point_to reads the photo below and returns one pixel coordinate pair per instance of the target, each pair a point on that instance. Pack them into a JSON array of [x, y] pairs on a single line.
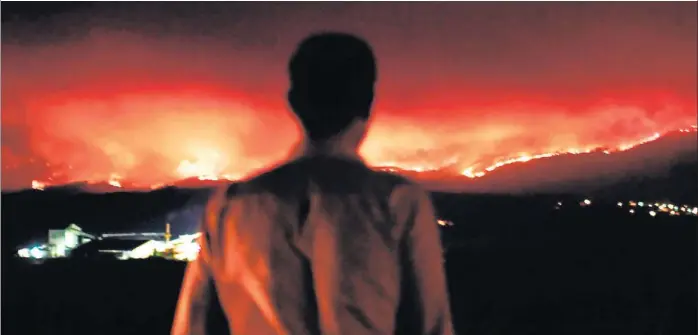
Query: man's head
[[332, 79]]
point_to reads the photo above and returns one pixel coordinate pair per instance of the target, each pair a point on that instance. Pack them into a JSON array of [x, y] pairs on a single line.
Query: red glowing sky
[[135, 89]]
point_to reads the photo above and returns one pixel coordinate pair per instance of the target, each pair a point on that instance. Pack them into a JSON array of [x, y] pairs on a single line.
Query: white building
[[61, 241]]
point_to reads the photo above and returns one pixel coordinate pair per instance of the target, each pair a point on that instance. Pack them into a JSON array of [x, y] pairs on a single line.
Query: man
[[322, 244]]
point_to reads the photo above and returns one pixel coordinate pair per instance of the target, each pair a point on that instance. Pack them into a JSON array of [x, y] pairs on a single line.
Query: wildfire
[[114, 180], [209, 164], [127, 110], [471, 172], [37, 185]]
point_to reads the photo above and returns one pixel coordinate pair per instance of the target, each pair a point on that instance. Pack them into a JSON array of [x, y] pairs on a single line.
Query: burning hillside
[[446, 171], [138, 96]]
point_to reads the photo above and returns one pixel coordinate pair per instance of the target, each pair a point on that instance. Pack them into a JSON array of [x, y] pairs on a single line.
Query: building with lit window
[[62, 241]]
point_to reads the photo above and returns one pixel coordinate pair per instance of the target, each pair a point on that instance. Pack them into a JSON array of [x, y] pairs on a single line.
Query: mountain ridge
[[555, 174]]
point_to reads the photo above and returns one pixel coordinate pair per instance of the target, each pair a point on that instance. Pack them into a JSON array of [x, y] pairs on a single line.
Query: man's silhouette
[[321, 244]]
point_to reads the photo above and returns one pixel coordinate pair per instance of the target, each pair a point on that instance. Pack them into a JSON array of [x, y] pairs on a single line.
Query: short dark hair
[[332, 78]]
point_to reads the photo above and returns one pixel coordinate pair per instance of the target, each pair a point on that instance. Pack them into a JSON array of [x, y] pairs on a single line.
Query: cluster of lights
[[654, 209], [37, 252], [184, 248]]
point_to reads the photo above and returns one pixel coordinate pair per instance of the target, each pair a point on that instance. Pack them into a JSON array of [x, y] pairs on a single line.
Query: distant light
[[587, 202], [671, 206], [559, 203], [672, 213], [187, 251], [641, 204], [444, 223], [695, 211], [632, 211], [620, 204], [653, 213], [36, 252], [24, 252]]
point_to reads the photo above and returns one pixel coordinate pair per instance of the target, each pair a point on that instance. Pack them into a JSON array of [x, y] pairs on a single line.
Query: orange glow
[[209, 164], [125, 100], [114, 180], [148, 137], [37, 185], [154, 138]]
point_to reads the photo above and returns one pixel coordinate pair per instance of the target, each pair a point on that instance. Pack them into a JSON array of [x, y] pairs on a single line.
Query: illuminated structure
[[62, 241], [37, 252], [183, 248], [146, 250], [168, 234], [106, 248], [186, 247]]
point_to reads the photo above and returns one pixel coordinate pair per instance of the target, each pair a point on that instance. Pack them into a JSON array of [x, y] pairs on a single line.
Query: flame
[[209, 163], [471, 172], [38, 185], [207, 166], [114, 180]]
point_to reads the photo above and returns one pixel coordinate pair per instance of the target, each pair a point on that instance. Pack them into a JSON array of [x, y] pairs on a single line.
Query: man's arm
[[195, 295], [424, 307], [194, 300]]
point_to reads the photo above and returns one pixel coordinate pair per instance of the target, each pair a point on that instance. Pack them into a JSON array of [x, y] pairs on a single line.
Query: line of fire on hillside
[[73, 242]]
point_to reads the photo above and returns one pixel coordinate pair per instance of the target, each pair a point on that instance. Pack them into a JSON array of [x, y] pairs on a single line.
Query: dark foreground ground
[[575, 273]]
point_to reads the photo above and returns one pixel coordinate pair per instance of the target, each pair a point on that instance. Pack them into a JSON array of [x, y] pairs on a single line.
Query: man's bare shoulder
[[290, 176], [239, 189], [404, 191], [269, 180], [394, 178]]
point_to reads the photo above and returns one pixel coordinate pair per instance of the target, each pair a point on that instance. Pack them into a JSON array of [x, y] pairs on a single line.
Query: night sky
[[154, 92]]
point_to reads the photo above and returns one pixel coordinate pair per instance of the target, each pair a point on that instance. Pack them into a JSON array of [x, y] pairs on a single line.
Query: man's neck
[[345, 144], [338, 147]]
